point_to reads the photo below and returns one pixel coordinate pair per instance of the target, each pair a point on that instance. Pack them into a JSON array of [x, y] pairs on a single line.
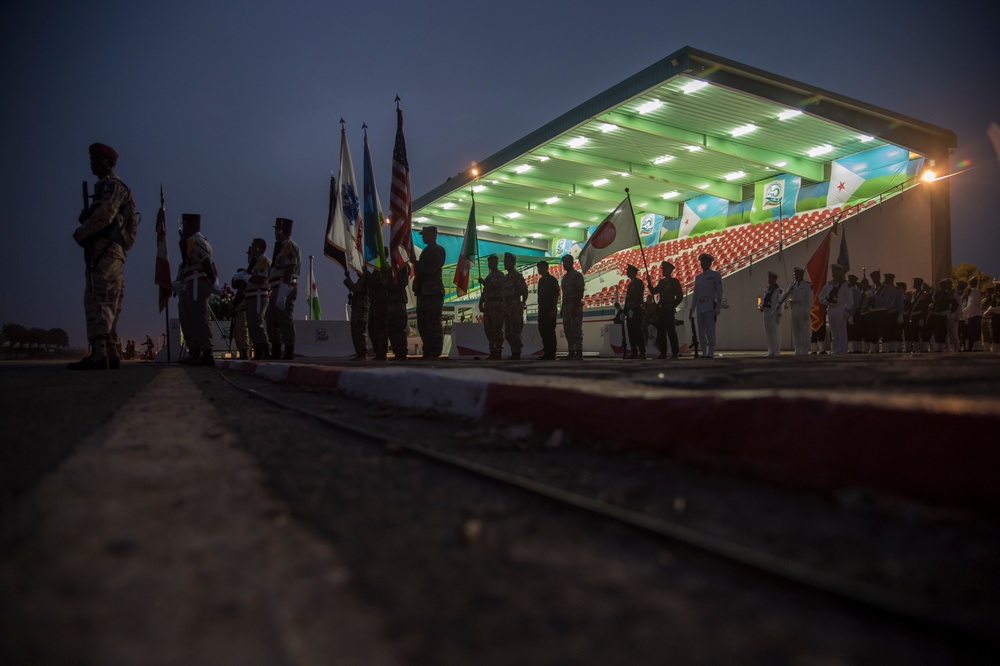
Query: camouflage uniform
[[572, 312], [102, 297], [280, 326], [397, 302], [515, 292], [493, 311], [359, 312], [256, 299], [194, 296], [241, 335], [378, 313]]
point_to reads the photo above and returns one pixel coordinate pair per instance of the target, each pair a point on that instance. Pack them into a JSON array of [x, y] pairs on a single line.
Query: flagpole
[[309, 301], [479, 266], [166, 310], [641, 249]]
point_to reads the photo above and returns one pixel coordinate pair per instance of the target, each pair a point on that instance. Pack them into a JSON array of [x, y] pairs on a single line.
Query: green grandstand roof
[[667, 142]]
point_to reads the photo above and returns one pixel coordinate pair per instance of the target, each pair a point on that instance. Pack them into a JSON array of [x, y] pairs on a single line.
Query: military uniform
[[770, 306], [358, 297], [670, 296], [573, 286], [378, 313], [397, 302], [515, 294], [800, 298], [707, 303], [838, 299], [240, 332], [492, 305], [286, 264], [548, 300], [634, 297], [256, 298], [101, 235], [429, 288], [197, 277]]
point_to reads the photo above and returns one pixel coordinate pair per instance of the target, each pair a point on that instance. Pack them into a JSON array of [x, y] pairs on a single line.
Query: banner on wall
[[703, 214], [866, 174], [775, 198]]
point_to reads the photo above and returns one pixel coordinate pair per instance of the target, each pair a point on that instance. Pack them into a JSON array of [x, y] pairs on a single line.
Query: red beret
[[104, 150]]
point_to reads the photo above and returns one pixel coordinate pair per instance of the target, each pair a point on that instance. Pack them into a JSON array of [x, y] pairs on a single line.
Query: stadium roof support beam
[[461, 219]]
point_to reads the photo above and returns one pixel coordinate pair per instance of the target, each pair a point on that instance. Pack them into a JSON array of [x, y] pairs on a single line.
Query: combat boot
[[289, 353], [275, 350], [91, 362]]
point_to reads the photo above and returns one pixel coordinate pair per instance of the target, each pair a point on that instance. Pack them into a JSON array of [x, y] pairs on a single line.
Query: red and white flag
[[816, 269], [400, 201]]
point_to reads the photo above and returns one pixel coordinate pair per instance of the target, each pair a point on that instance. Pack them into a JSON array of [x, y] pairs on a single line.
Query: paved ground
[[156, 515]]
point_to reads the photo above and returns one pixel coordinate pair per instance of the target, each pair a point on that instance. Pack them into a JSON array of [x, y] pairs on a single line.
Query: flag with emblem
[[315, 311], [162, 277], [469, 254], [400, 202], [374, 244], [345, 228], [843, 184], [617, 232], [817, 269]]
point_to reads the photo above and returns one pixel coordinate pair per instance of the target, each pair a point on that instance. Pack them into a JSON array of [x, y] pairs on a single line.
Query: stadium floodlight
[[552, 200], [789, 113], [693, 86], [820, 150], [514, 215], [478, 188], [522, 168], [607, 127], [649, 106], [670, 195], [602, 181], [743, 129], [482, 227], [864, 138], [577, 142], [733, 175], [448, 205], [663, 159]]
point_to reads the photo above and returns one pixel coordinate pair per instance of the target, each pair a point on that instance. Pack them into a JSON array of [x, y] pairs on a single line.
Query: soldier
[[198, 279], [515, 295], [429, 288], [838, 299], [972, 313], [397, 302], [286, 264], [671, 294], [770, 305], [853, 330], [920, 302], [877, 312], [357, 298], [650, 316], [955, 323], [707, 302], [256, 296], [865, 319], [378, 312], [800, 297], [633, 312], [943, 306], [892, 339], [548, 300], [573, 286], [106, 232], [491, 303], [239, 331]]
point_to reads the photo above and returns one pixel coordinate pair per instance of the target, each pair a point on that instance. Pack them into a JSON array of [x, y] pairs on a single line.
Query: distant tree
[[966, 271], [15, 334]]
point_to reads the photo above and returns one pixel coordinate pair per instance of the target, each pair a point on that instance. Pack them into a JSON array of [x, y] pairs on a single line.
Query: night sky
[[234, 108]]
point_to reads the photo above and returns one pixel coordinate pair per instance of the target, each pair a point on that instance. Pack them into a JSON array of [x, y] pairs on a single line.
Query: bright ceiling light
[[552, 200], [577, 142], [514, 215], [478, 188], [483, 227], [536, 235], [694, 149], [703, 187], [789, 113], [607, 127], [735, 174], [602, 181], [420, 219], [572, 224], [543, 158], [623, 174], [649, 107], [820, 150], [781, 163], [743, 129], [864, 138], [522, 168], [694, 86], [663, 159], [671, 194], [448, 205]]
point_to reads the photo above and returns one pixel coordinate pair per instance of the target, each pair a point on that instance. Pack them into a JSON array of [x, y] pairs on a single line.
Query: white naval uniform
[[770, 305], [706, 301], [800, 296], [838, 311]]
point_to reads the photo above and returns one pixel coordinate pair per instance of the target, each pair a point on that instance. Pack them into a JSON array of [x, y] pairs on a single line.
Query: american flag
[[400, 202], [162, 275]]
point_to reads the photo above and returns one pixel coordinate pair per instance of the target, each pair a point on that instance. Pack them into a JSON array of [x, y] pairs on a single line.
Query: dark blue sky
[[234, 107]]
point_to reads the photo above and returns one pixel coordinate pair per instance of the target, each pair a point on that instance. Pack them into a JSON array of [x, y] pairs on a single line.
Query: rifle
[[88, 245], [694, 336]]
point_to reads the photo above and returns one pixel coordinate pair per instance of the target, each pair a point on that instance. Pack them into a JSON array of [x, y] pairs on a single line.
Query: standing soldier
[[892, 335], [515, 295], [707, 302], [106, 232], [200, 279], [572, 308], [256, 296], [671, 294], [548, 301], [800, 298], [357, 298], [920, 301], [429, 288], [397, 302], [876, 312], [378, 312], [770, 305], [839, 302], [239, 331], [853, 328], [650, 317], [491, 303], [286, 264], [633, 312]]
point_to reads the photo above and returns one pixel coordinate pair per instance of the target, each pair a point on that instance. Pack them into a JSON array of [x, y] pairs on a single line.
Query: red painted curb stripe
[[946, 457], [313, 375]]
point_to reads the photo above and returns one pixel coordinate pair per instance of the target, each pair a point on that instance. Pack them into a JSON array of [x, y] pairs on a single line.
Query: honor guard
[[397, 302], [429, 288], [357, 297], [573, 286], [256, 296], [515, 295], [838, 299], [706, 303], [491, 304], [286, 264], [799, 298], [670, 294], [634, 295], [107, 230], [770, 306], [548, 303], [197, 280]]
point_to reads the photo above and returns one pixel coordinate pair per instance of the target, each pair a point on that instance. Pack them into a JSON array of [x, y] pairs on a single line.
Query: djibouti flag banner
[[315, 311]]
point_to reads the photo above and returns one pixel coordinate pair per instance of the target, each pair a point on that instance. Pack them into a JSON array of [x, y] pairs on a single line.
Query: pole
[[166, 311], [642, 250], [310, 297]]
